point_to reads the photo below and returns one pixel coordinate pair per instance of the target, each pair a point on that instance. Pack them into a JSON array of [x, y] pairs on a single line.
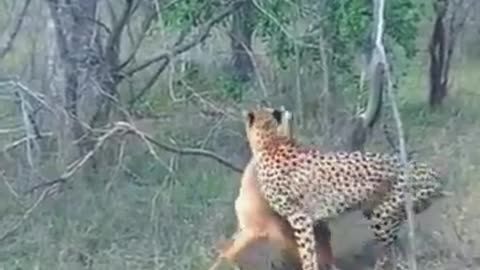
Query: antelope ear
[[249, 117], [277, 114]]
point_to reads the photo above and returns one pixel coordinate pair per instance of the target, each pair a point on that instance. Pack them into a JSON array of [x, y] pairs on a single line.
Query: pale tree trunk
[[74, 36], [87, 67], [87, 86], [51, 84]]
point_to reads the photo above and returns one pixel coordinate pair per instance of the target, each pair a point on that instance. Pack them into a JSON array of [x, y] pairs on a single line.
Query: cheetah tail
[[445, 193]]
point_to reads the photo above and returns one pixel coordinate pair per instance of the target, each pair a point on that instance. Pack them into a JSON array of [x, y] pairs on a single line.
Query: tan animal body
[[258, 222]]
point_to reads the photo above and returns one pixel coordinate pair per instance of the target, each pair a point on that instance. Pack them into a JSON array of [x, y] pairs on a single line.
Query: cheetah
[[257, 221], [304, 185]]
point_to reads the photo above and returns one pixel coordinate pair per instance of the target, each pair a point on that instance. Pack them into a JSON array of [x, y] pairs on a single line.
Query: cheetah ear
[[277, 114], [249, 116], [287, 115]]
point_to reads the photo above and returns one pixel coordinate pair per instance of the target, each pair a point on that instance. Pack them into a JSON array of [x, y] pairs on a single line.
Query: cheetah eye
[[277, 115]]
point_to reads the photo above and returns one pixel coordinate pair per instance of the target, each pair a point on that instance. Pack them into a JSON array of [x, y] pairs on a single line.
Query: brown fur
[[258, 222]]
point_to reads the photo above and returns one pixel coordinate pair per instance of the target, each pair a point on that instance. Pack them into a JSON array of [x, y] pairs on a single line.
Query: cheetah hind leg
[[386, 219], [303, 231]]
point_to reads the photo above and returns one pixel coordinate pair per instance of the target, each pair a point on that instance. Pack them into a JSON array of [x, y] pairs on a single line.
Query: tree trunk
[[88, 82], [87, 67], [241, 42], [438, 78], [365, 121], [74, 27]]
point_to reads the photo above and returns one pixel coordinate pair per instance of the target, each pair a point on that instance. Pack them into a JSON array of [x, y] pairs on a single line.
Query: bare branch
[[29, 128], [10, 188], [145, 26], [16, 29], [23, 140], [200, 37], [183, 151], [179, 48], [147, 139], [149, 83], [113, 40], [380, 52], [77, 164]]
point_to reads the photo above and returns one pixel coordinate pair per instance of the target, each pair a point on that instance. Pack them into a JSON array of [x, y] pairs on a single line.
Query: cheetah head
[[264, 125]]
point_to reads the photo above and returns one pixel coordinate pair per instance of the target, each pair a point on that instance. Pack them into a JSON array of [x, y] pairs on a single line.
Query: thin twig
[[11, 189], [10, 130], [143, 34], [200, 37], [380, 4], [28, 128], [16, 29], [73, 167], [20, 141], [282, 28], [183, 151], [77, 164]]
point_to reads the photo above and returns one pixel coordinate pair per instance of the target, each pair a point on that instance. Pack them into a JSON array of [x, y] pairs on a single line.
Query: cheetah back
[[324, 184]]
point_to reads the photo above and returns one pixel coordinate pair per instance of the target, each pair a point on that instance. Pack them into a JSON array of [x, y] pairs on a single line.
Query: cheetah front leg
[[302, 225], [285, 200]]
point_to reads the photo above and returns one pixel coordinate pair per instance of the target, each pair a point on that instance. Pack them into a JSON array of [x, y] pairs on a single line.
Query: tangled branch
[[200, 37], [127, 128], [179, 48]]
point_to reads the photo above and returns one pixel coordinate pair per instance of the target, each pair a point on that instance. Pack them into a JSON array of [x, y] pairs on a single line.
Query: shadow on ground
[[354, 246]]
